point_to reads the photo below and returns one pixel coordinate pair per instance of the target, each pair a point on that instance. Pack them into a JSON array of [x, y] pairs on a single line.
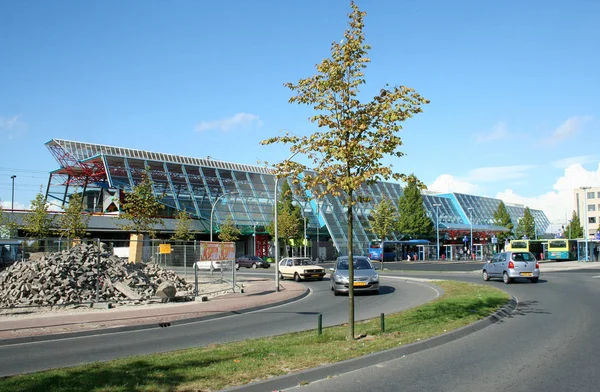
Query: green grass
[[219, 366]]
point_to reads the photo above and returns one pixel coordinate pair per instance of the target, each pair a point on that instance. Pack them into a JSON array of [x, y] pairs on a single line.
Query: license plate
[[360, 283], [315, 276], [526, 274]]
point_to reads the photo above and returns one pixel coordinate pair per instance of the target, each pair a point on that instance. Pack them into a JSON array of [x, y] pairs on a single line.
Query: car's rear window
[[359, 263], [523, 256]]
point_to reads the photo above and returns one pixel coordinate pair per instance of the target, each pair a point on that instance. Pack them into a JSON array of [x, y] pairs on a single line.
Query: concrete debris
[[81, 275]]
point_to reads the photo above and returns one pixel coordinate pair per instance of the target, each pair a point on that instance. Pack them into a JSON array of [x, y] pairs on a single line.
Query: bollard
[[320, 324], [382, 322]]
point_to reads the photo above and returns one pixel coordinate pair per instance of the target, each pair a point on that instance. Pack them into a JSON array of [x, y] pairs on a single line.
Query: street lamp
[[471, 221], [213, 210], [276, 228], [255, 239], [437, 228], [585, 188], [12, 200], [304, 218]]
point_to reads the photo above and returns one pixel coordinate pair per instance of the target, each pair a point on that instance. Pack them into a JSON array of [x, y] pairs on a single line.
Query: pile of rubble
[[82, 275]]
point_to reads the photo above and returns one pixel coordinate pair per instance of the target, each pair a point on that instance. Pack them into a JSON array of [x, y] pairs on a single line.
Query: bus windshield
[[518, 245]]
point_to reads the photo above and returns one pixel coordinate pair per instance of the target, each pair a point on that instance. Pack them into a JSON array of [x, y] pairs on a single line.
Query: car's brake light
[[511, 264], [537, 265]]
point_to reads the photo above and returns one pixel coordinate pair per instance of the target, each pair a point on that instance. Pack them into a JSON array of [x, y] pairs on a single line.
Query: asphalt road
[[550, 343], [395, 295]]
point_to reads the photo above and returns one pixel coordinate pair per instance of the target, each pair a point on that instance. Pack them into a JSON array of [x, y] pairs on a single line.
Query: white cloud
[[498, 132], [499, 173], [6, 205], [568, 128], [448, 183], [558, 205], [238, 120], [582, 159], [8, 123]]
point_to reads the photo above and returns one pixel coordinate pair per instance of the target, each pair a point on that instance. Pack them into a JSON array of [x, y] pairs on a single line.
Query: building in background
[[587, 207], [204, 187]]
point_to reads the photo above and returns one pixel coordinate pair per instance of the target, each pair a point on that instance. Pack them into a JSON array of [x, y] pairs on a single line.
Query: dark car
[[251, 262]]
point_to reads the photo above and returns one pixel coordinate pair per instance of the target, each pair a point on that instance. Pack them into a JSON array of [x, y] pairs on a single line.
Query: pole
[[276, 228], [471, 221], [437, 229], [255, 239], [276, 237], [12, 200], [304, 234], [585, 188], [318, 227]]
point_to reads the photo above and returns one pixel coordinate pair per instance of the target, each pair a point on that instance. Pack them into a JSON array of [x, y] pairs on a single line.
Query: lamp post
[[437, 228], [304, 218], [585, 188], [12, 200], [276, 228], [255, 239], [471, 221], [213, 210]]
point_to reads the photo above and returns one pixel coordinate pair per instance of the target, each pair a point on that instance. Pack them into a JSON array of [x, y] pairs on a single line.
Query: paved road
[[395, 295], [550, 343]]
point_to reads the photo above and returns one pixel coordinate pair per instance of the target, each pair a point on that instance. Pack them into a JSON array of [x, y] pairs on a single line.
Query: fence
[[209, 276]]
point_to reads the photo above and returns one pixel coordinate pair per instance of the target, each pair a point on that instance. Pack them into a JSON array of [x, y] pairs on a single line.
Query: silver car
[[366, 278], [511, 265]]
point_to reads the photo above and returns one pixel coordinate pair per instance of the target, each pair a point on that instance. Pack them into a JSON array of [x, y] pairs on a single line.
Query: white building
[[587, 207]]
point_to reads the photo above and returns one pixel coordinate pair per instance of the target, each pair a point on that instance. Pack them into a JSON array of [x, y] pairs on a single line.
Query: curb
[[140, 327], [338, 368]]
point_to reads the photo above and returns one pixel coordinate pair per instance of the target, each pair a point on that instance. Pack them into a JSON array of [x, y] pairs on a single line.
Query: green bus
[[539, 248], [562, 249]]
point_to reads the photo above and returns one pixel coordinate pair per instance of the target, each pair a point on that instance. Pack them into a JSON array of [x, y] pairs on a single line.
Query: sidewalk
[[556, 266], [257, 294]]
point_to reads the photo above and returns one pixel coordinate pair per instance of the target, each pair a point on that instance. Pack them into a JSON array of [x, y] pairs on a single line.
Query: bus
[[539, 248], [562, 249], [393, 250]]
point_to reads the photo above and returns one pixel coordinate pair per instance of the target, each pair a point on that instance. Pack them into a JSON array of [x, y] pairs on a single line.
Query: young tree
[[142, 208], [526, 225], [289, 217], [347, 153], [183, 227], [413, 220], [384, 219], [38, 223], [502, 219], [73, 223], [228, 232], [574, 228]]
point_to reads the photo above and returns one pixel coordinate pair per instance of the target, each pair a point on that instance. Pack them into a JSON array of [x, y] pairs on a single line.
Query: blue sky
[[514, 85]]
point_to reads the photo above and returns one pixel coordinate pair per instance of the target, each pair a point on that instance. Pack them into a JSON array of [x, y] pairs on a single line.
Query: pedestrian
[[596, 252]]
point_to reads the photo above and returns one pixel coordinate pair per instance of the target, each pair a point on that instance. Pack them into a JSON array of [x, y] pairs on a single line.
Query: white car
[[300, 268]]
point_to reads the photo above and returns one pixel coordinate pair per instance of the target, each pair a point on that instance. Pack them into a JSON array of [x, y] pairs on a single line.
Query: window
[[592, 219], [598, 195], [592, 207], [590, 195]]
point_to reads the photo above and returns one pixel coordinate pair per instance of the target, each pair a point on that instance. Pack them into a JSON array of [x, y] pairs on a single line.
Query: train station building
[[212, 190]]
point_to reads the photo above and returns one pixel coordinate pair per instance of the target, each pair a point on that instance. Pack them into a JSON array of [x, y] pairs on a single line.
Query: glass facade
[[203, 187]]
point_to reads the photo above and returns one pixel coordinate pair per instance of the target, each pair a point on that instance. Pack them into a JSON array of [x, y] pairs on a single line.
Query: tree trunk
[[350, 272]]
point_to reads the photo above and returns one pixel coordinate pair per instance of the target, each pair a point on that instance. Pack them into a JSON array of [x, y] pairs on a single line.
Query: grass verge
[[220, 366]]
